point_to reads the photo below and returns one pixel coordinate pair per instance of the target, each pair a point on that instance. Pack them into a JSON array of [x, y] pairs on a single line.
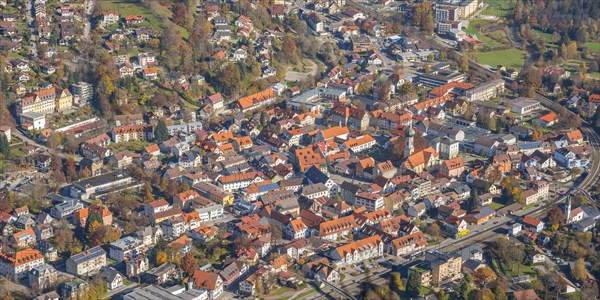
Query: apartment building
[[87, 262], [126, 247], [17, 265], [358, 251], [122, 134], [371, 201], [359, 144], [231, 183], [83, 92], [439, 268], [45, 101], [254, 101], [337, 228]]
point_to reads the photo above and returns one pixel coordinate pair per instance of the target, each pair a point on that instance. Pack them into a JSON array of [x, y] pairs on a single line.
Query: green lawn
[[304, 294], [594, 46], [280, 291], [134, 146], [500, 8], [517, 269], [511, 58], [496, 205]]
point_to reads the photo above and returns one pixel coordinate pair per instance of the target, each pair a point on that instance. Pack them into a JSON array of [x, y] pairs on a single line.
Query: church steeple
[[568, 210], [409, 146]]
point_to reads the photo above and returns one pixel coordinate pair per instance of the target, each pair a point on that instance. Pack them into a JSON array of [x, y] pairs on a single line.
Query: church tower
[[409, 141], [568, 210]]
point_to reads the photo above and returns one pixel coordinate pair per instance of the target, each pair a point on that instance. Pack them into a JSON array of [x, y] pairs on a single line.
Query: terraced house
[[351, 253]]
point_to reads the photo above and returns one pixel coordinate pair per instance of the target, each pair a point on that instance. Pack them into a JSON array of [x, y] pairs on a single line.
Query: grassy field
[[491, 38], [500, 8], [545, 35], [153, 17], [511, 58], [594, 46]]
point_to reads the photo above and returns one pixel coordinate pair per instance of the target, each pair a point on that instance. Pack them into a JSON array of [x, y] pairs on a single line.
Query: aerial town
[[290, 149]]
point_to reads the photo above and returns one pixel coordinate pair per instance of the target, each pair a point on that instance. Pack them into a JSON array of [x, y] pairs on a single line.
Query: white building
[[351, 253], [125, 247]]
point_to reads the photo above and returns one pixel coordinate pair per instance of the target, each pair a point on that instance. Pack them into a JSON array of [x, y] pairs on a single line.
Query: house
[[42, 277], [86, 262], [314, 175], [533, 224], [546, 120], [296, 229], [110, 17], [480, 215], [150, 73], [321, 269], [451, 168], [529, 294], [24, 238], [113, 278], [352, 117], [162, 274], [209, 281]]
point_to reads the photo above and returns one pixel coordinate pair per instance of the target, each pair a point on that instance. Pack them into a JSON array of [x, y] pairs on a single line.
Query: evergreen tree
[[160, 132], [4, 146], [473, 202], [413, 286], [596, 119]]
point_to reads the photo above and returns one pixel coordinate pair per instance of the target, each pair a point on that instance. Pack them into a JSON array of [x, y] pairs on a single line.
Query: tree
[[484, 275], [148, 196], [413, 285], [161, 133], [71, 168], [473, 203], [161, 257], [500, 293], [491, 125], [4, 146], [180, 14], [579, 272], [259, 286], [433, 230], [464, 290], [396, 283], [555, 216], [189, 263]]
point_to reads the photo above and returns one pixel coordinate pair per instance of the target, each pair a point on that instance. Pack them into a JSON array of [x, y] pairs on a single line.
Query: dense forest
[[577, 20]]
